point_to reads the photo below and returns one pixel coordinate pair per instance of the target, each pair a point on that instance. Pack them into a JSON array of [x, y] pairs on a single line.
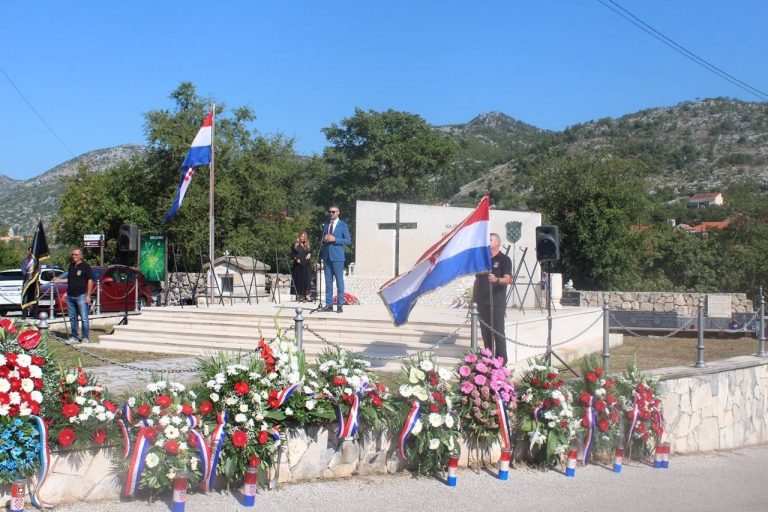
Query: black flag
[[30, 293]]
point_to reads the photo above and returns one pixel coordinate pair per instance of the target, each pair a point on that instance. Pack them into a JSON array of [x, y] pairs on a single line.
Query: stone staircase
[[363, 329], [366, 330]]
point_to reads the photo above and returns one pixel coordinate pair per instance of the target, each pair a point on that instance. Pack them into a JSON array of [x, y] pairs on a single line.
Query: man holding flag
[[30, 291], [490, 295], [463, 251]]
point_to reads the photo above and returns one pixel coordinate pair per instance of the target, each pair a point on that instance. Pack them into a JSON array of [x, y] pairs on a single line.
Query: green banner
[[153, 257]]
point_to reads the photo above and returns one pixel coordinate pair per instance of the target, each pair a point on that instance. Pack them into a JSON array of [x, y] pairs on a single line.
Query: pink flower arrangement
[[483, 380]]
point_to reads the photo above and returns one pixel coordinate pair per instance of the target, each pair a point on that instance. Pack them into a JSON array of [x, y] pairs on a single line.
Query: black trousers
[[498, 326]]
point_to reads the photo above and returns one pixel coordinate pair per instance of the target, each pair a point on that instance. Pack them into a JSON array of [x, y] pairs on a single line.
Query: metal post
[[761, 327], [299, 321], [700, 346], [473, 314], [606, 335]]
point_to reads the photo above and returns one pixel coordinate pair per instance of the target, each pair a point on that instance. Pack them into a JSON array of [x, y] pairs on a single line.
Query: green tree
[[382, 156], [261, 197], [595, 201]]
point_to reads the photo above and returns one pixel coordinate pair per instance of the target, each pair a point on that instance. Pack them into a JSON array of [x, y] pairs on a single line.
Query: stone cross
[[397, 226]]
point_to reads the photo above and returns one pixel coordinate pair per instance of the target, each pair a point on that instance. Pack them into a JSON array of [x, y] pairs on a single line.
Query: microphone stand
[[319, 280]]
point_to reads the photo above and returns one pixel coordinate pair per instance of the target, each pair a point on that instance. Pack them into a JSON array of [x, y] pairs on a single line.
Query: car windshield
[[11, 275]]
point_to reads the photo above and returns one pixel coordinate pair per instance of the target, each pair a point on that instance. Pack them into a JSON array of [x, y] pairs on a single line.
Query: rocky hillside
[[691, 147], [24, 202]]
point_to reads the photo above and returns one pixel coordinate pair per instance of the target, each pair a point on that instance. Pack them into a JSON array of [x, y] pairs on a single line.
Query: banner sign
[[93, 240], [152, 257]]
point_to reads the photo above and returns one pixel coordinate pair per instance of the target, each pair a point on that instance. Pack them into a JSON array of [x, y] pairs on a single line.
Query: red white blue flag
[[465, 250], [199, 154]]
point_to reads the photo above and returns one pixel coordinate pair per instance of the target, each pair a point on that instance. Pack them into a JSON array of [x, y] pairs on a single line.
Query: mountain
[[24, 202], [690, 147], [484, 142]]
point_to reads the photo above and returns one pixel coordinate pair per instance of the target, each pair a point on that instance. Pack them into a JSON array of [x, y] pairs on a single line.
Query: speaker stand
[[549, 354]]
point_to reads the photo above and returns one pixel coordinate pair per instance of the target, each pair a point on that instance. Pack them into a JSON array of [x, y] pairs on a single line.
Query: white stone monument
[[420, 227]]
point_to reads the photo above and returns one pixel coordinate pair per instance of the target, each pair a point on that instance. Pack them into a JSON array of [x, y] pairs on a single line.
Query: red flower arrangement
[[83, 411], [544, 413], [597, 408], [643, 409]]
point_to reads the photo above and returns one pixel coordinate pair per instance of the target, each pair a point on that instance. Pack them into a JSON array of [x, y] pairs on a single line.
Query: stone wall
[[684, 304], [720, 407]]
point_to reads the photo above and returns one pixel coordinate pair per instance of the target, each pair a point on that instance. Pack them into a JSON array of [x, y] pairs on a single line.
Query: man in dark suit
[[335, 237]]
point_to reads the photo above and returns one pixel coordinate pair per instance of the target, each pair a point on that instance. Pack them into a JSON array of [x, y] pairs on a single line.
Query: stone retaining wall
[[721, 407], [684, 304]]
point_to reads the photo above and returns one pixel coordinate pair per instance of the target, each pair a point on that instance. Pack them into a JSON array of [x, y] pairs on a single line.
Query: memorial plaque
[[645, 319], [719, 306]]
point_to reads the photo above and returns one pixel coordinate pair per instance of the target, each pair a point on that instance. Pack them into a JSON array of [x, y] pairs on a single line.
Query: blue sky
[[91, 69]]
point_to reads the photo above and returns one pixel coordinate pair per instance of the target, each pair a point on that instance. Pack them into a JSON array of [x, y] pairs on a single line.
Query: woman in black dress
[[302, 268]]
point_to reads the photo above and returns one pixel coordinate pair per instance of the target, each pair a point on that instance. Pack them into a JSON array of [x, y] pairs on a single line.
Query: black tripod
[[549, 352]]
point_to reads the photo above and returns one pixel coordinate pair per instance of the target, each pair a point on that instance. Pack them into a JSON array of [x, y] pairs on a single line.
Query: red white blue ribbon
[[286, 393], [127, 413], [591, 415], [136, 466], [214, 449], [635, 414], [126, 437], [658, 420], [410, 422], [45, 463], [202, 450], [276, 436], [349, 427], [501, 409], [535, 413]]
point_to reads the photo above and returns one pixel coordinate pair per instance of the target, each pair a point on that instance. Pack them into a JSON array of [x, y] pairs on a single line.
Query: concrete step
[[235, 319], [349, 331], [170, 340]]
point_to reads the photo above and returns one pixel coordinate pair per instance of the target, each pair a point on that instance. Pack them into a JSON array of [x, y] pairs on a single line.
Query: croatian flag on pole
[[199, 154], [465, 250]]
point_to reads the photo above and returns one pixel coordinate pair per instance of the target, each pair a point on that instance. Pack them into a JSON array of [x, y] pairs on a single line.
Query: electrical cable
[[627, 15], [29, 104]]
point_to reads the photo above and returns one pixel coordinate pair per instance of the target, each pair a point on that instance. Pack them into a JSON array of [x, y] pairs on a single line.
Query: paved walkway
[[732, 481]]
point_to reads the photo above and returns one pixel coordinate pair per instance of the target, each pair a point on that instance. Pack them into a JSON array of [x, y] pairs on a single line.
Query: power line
[[36, 112], [627, 15]]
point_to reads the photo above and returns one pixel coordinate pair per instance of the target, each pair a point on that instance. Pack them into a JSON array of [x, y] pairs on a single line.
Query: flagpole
[[211, 217]]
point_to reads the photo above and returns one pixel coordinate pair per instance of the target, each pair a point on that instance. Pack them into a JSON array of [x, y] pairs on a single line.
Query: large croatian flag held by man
[[465, 250], [199, 154]]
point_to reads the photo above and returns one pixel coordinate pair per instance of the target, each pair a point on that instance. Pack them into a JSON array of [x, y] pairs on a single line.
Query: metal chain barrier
[[389, 358], [117, 363], [528, 345]]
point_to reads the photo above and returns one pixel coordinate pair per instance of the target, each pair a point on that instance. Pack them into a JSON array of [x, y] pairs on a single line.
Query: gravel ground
[[733, 481]]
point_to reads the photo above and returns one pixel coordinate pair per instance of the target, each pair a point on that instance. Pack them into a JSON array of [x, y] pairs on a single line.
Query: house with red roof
[[705, 200]]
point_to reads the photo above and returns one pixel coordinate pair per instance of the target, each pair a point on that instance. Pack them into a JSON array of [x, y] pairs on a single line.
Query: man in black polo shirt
[[495, 281], [79, 287]]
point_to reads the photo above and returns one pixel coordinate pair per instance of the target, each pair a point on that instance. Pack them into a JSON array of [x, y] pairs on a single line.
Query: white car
[[11, 282]]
